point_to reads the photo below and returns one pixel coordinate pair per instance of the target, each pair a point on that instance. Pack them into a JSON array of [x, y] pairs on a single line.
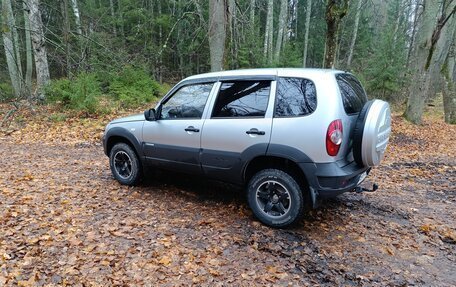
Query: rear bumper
[[331, 179]]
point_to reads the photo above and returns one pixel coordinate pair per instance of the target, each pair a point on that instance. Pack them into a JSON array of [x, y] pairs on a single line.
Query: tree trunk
[[66, 37], [268, 32], [413, 34], [232, 24], [74, 5], [217, 33], [449, 73], [355, 33], [252, 15], [335, 11], [39, 48], [28, 53], [424, 50], [306, 34], [10, 48], [113, 17], [282, 26], [439, 63]]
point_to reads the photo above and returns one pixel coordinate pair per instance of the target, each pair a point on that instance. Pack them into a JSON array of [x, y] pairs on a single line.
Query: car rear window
[[353, 95]]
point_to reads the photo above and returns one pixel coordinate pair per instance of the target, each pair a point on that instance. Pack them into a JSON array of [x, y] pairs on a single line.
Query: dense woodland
[[83, 54]]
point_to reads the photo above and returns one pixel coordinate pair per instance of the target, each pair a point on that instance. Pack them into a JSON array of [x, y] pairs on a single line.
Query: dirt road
[[65, 221]]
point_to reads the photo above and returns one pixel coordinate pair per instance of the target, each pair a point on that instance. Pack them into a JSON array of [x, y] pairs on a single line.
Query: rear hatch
[[353, 98]]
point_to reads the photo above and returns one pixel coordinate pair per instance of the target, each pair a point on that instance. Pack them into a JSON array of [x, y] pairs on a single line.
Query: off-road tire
[[283, 183], [127, 173]]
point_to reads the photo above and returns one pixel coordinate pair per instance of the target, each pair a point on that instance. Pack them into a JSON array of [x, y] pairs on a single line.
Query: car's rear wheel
[[125, 165], [275, 198], [371, 133]]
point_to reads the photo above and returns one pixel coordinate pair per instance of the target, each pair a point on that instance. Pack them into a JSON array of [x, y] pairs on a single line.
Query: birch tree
[[39, 47], [269, 32], [306, 33], [281, 29], [355, 33], [252, 15], [113, 17], [77, 17], [415, 12], [11, 48], [28, 52], [217, 33]]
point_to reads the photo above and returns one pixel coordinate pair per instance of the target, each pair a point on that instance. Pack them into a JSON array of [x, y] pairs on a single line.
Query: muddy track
[[65, 221]]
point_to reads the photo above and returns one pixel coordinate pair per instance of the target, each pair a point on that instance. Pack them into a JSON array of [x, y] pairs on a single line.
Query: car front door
[[173, 140], [239, 128]]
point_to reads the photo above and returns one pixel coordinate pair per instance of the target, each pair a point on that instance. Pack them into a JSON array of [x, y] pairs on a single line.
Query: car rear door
[[238, 127], [173, 140]]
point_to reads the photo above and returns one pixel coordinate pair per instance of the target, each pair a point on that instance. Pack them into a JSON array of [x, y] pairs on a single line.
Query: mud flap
[[313, 197]]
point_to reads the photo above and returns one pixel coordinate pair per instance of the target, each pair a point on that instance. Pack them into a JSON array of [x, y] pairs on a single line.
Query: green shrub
[[57, 117], [133, 87], [80, 93], [6, 92]]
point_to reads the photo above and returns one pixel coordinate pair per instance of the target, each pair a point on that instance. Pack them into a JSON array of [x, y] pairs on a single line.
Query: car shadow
[[199, 188]]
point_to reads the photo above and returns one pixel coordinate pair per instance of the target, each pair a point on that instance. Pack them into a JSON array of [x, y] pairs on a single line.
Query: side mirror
[[150, 115]]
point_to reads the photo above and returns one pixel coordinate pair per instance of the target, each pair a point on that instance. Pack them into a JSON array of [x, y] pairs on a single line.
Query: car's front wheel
[[125, 165], [275, 198]]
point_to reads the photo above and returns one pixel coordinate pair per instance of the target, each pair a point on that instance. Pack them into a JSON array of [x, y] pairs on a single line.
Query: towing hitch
[[360, 189]]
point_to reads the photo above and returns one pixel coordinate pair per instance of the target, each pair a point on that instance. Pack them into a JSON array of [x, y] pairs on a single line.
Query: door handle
[[192, 129], [255, 132]]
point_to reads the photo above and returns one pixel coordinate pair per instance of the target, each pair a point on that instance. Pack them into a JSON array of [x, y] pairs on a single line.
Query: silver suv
[[290, 136]]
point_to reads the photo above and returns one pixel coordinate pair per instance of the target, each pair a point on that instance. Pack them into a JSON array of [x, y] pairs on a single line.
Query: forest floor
[[64, 220]]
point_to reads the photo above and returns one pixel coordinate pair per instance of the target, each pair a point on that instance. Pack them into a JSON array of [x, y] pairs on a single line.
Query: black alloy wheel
[[125, 165], [275, 198]]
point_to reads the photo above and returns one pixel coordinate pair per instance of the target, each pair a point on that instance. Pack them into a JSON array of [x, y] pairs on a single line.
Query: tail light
[[334, 137]]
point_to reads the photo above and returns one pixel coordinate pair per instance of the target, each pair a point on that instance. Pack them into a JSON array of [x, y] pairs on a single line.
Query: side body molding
[[229, 166]]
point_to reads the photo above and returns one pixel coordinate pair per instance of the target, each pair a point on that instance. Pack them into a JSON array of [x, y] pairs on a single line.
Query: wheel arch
[[120, 135], [267, 161], [281, 163]]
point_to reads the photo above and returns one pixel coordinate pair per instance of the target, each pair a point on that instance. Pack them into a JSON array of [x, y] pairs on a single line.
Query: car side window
[[295, 97], [187, 102], [242, 99]]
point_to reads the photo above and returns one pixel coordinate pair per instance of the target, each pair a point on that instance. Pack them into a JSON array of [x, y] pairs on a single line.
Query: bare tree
[[415, 12], [11, 48], [234, 38], [113, 16], [252, 14], [28, 53], [335, 11], [306, 34], [435, 16], [355, 33], [217, 33], [39, 47], [77, 17], [446, 70], [269, 32], [282, 26]]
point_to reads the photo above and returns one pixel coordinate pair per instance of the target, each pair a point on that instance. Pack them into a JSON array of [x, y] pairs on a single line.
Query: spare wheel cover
[[371, 134]]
